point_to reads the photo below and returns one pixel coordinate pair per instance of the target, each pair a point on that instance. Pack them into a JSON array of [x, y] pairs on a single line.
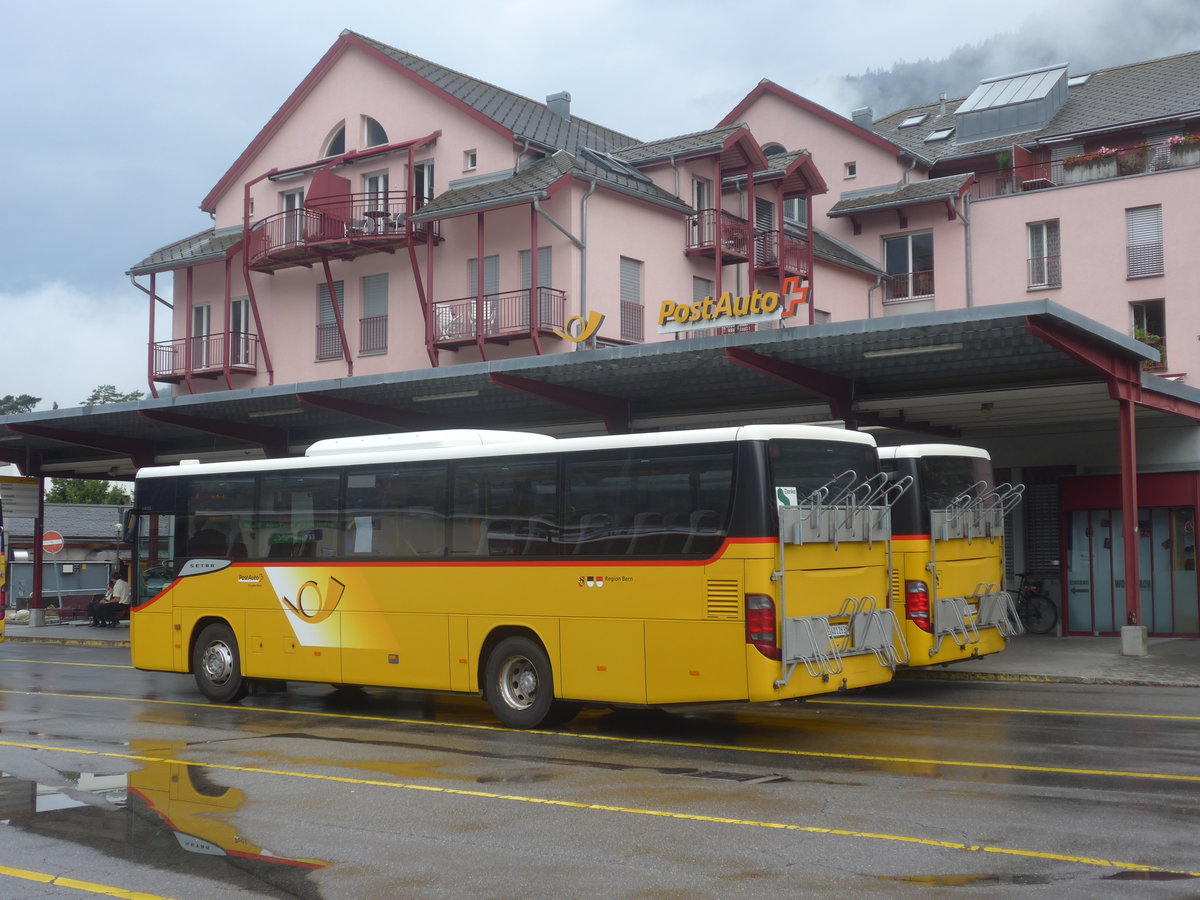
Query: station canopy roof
[[963, 375]]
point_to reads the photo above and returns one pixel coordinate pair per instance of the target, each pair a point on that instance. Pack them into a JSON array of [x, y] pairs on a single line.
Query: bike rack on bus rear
[[845, 510], [976, 513]]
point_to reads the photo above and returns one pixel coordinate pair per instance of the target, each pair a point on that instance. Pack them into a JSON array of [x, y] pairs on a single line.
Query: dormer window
[[374, 134], [336, 145]]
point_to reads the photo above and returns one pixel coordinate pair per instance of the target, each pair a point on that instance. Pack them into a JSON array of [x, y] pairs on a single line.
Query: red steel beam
[[272, 440], [614, 412], [837, 392], [140, 453]]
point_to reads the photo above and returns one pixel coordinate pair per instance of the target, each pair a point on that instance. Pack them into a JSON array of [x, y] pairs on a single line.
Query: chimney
[[942, 101], [864, 118], [559, 104]]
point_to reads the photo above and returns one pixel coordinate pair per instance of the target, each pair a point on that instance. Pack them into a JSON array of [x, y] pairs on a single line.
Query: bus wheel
[[519, 686], [217, 665]]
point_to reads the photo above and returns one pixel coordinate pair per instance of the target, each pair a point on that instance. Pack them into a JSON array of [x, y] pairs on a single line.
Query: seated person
[[119, 595], [93, 609]]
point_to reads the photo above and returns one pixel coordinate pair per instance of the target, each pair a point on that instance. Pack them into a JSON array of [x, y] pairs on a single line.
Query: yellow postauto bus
[[725, 564], [948, 550]]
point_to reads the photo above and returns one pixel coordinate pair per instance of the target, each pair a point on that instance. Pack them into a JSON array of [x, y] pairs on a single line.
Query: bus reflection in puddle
[[168, 815]]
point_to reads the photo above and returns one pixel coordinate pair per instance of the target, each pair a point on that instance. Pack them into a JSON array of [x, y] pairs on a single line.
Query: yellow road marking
[[90, 886], [627, 810], [615, 739], [1004, 709], [55, 662]]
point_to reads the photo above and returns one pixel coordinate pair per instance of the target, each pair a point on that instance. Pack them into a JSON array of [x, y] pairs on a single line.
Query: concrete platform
[[1171, 662]]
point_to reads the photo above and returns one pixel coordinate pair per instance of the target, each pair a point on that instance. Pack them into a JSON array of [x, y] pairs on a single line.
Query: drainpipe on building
[[962, 213], [583, 205], [871, 297]]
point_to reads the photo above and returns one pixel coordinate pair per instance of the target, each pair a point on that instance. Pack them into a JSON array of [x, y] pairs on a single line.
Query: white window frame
[[1044, 265]]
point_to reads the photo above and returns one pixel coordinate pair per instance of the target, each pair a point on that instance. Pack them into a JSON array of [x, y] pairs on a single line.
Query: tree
[[107, 393], [86, 490], [22, 404]]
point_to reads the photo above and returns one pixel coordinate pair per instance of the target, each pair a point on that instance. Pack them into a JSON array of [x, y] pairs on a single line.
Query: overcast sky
[[122, 115]]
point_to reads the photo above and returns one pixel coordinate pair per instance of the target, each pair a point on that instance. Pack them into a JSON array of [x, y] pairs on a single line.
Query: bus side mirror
[[129, 523]]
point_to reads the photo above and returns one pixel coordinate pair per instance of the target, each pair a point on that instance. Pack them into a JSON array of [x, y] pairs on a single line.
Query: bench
[[74, 607]]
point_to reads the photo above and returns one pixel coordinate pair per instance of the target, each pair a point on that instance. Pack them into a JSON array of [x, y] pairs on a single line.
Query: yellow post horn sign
[[576, 330]]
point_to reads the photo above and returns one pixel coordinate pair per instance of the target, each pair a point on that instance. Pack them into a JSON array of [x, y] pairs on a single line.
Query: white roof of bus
[[915, 451], [464, 444]]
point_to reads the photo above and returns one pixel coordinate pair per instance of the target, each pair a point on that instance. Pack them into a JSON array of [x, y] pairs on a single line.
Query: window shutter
[[1144, 240], [701, 288], [375, 291], [491, 275], [325, 315], [631, 280], [545, 272]]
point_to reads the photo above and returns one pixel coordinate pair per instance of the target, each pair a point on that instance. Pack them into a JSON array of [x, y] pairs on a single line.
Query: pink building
[[394, 215], [1080, 188]]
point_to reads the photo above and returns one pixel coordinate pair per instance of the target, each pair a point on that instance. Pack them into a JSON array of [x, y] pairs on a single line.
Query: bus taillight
[[916, 603], [760, 624]]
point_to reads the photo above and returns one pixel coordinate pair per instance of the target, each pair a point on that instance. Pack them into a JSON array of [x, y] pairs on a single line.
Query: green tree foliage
[[107, 393], [22, 404], [86, 490]]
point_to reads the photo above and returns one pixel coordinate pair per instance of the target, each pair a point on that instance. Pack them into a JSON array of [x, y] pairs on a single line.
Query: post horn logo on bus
[[311, 604], [730, 310]]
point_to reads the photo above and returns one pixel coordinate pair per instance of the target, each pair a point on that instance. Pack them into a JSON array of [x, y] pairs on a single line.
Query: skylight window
[[940, 135], [1077, 80], [914, 120]]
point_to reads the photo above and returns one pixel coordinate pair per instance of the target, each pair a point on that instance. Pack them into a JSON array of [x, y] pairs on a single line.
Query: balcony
[[776, 253], [905, 286], [207, 359], [497, 318], [341, 227], [737, 236], [1155, 156]]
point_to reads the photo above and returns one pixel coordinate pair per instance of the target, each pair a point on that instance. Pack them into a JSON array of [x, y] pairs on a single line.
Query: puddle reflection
[[167, 815]]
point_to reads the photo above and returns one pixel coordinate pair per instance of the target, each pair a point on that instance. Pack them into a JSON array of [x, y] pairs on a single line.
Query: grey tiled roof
[[1154, 91], [535, 180], [832, 250], [902, 195], [525, 118], [75, 521], [203, 247], [684, 145]]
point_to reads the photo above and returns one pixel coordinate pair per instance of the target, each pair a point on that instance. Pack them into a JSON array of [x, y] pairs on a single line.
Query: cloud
[[60, 343]]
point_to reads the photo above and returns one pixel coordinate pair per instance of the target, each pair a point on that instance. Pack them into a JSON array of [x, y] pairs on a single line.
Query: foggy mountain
[[1095, 35]]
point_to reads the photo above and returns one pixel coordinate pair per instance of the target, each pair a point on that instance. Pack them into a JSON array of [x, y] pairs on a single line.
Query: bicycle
[[1034, 607]]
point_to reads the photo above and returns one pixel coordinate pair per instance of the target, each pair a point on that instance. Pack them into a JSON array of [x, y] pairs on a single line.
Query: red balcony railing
[[352, 223], [508, 313], [372, 334], [171, 358], [633, 321], [772, 249], [1153, 156], [329, 341], [1045, 271], [737, 236], [908, 286]]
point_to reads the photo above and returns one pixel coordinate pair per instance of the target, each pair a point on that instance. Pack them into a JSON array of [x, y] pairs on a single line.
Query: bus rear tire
[[217, 665], [519, 686]]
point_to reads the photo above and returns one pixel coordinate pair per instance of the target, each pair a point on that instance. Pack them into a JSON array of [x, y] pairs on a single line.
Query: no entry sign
[[52, 541]]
